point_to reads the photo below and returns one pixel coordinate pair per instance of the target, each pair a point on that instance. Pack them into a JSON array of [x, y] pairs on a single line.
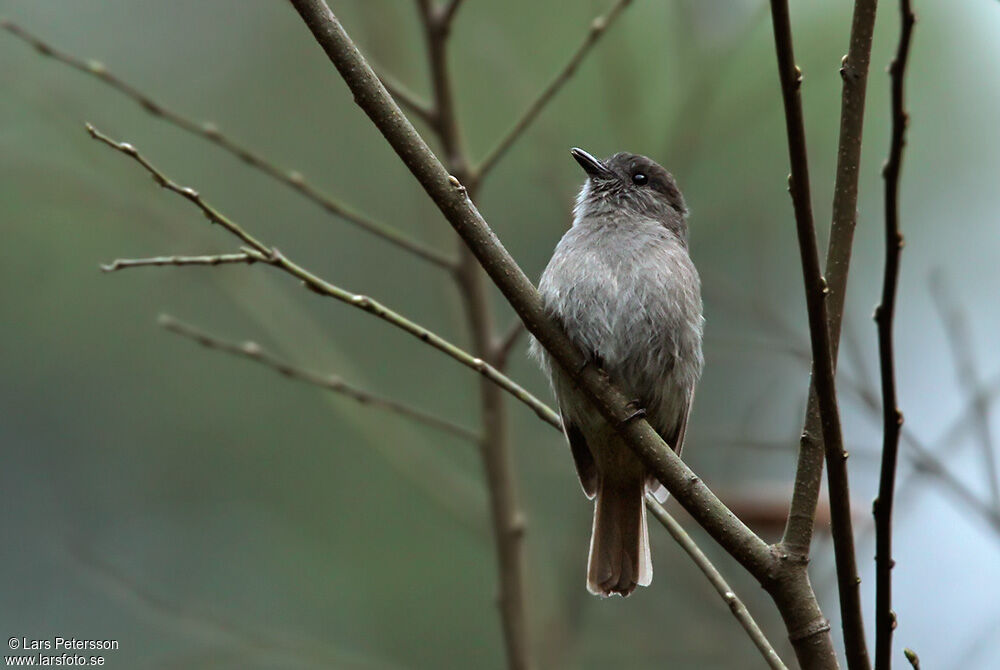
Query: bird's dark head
[[631, 184]]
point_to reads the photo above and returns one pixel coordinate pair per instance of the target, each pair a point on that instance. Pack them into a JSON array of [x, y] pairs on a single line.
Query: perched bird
[[623, 287]]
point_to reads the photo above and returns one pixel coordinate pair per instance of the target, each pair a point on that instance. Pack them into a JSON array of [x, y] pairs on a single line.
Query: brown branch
[[854, 75], [892, 418], [268, 255], [781, 574], [449, 10], [823, 371], [159, 261], [598, 27], [254, 352], [506, 342], [408, 99], [210, 132], [719, 583], [506, 515]]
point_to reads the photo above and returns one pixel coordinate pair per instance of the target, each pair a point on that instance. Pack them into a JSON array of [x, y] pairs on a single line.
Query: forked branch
[[854, 76], [823, 376], [263, 253]]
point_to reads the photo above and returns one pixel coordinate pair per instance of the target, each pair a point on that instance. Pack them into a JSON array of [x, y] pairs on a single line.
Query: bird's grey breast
[[628, 295]]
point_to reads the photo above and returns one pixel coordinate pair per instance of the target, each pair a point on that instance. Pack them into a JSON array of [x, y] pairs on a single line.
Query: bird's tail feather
[[619, 545]]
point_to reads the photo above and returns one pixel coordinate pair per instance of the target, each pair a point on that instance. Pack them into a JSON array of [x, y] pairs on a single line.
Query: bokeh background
[[207, 513]]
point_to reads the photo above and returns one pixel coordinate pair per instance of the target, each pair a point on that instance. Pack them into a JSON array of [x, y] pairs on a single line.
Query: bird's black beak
[[592, 166]]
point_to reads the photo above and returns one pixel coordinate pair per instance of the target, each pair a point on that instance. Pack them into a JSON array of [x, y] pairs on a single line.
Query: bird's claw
[[637, 411]]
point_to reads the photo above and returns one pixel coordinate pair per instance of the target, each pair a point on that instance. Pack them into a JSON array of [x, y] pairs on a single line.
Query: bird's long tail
[[619, 546]]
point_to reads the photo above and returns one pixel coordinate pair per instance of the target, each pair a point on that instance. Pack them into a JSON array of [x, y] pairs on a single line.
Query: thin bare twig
[[271, 256], [210, 132], [719, 583], [823, 369], [598, 27], [505, 343], [923, 456], [449, 10], [254, 352], [854, 75], [962, 352], [159, 261], [407, 98], [892, 418]]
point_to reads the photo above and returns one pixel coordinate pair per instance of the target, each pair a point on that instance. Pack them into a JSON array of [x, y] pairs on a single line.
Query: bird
[[622, 285]]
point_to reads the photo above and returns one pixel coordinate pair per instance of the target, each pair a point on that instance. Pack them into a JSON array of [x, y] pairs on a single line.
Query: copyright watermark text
[[57, 651]]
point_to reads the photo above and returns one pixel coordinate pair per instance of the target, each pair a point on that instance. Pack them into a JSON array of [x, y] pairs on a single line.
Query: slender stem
[[823, 375], [407, 98], [254, 352], [186, 192], [508, 520], [854, 75], [159, 261], [722, 587], [210, 132], [449, 10], [505, 343], [263, 253], [598, 27], [892, 418], [962, 353]]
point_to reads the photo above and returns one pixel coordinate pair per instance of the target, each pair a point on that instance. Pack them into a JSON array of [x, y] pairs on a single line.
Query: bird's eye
[[640, 179]]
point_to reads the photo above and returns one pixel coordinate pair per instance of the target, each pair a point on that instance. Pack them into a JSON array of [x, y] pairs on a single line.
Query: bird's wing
[[586, 469], [676, 441]]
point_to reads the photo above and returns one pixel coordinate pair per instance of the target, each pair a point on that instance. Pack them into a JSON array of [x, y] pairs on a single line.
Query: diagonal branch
[[159, 261], [598, 27], [892, 418], [451, 198], [254, 352], [959, 341], [210, 132], [719, 583], [823, 376], [263, 253], [854, 75], [505, 343]]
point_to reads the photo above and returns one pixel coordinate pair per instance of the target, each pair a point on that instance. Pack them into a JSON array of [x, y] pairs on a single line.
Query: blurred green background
[[208, 513]]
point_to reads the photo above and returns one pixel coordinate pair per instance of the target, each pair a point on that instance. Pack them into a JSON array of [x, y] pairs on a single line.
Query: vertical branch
[[494, 443], [854, 75], [823, 377], [892, 418]]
